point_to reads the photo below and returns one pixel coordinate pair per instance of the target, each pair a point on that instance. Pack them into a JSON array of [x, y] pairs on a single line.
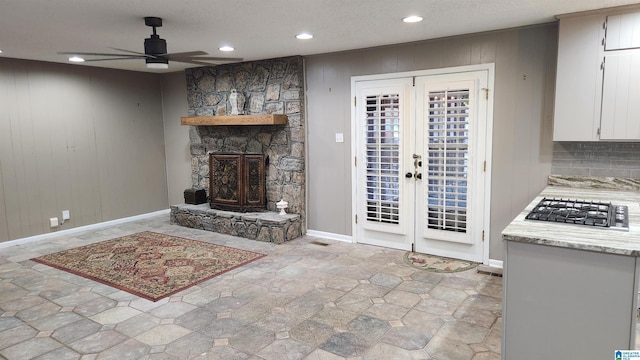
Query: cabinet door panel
[[623, 31], [578, 79], [620, 97]]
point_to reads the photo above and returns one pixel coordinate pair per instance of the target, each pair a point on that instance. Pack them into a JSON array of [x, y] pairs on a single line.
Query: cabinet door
[[623, 31], [621, 96], [579, 79]]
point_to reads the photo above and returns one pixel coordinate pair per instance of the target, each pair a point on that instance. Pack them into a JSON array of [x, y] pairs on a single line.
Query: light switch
[[339, 137]]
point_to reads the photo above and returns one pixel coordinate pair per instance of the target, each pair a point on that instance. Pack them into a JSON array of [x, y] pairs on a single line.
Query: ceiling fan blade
[[213, 58], [185, 54], [114, 58], [100, 54], [195, 62], [129, 51]]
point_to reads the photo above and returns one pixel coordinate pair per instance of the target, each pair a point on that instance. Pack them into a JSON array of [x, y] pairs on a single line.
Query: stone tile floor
[[305, 300]]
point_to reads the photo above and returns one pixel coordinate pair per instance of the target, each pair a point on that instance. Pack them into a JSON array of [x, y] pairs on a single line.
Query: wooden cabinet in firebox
[[237, 182]]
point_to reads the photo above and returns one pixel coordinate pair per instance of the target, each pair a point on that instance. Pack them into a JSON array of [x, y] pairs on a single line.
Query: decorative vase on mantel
[[236, 101]]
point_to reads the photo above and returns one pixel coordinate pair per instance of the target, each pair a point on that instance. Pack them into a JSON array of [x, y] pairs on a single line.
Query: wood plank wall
[[523, 110], [76, 138]]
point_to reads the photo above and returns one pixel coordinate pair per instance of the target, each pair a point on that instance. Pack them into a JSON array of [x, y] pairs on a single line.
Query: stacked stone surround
[[274, 86]]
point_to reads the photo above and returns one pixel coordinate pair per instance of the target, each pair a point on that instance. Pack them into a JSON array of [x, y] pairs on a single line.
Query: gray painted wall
[[174, 105], [51, 112], [525, 62], [76, 138]]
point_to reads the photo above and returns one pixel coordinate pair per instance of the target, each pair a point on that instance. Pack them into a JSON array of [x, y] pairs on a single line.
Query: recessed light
[[304, 36], [226, 48], [76, 59], [412, 19]]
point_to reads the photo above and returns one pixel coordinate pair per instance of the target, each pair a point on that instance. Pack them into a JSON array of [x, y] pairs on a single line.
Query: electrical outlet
[[339, 137], [53, 222], [66, 215]]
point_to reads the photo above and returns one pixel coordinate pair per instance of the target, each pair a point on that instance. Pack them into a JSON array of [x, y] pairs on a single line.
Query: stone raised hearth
[[272, 124], [262, 226]]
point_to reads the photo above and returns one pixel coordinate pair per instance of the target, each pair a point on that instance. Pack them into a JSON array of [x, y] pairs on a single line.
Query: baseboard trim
[[494, 267], [99, 225], [330, 236]]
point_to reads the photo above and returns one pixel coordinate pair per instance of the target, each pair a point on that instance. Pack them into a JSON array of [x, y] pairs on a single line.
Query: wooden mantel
[[258, 119]]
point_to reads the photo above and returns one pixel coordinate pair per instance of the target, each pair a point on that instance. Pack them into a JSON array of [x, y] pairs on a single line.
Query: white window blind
[[448, 148], [382, 158]]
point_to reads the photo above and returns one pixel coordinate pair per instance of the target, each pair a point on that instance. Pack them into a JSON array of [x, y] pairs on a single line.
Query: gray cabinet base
[[562, 303]]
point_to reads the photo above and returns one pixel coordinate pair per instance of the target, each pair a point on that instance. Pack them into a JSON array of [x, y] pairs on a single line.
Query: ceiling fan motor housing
[[154, 45]]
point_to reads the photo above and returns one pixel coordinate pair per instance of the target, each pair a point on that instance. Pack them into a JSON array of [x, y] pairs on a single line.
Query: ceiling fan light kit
[[155, 52], [157, 63]]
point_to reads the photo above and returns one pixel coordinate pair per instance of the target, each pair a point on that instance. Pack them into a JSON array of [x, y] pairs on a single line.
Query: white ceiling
[[258, 29]]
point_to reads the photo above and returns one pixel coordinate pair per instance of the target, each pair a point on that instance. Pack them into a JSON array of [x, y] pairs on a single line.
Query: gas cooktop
[[581, 212]]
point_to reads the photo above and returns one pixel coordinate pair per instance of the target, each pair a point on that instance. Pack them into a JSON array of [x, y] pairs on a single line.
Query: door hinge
[[414, 81], [413, 247], [486, 93], [356, 218], [355, 101], [598, 132], [485, 166], [355, 161], [482, 235]]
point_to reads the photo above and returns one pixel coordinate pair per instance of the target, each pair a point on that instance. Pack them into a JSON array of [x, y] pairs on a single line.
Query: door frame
[[488, 136]]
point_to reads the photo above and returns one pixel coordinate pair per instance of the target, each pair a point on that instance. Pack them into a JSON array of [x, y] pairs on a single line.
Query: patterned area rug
[[148, 264], [436, 263]]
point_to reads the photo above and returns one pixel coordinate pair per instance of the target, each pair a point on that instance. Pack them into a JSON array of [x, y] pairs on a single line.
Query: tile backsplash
[[616, 159]]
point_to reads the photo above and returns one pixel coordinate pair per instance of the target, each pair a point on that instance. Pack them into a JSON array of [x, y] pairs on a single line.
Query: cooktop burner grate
[[581, 212]]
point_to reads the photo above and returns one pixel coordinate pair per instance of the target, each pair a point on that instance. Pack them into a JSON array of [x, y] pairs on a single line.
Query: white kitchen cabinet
[[597, 78], [623, 31], [621, 96], [579, 79]]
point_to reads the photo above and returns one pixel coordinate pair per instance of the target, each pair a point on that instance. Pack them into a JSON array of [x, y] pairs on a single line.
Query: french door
[[420, 178]]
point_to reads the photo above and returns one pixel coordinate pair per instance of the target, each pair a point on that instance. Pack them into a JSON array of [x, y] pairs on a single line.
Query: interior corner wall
[[84, 139], [525, 61], [174, 105]]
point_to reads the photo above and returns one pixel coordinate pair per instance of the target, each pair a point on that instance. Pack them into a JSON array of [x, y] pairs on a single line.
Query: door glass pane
[[447, 161], [382, 158]]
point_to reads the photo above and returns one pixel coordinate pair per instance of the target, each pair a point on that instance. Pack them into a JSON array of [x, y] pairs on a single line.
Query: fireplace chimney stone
[[274, 86]]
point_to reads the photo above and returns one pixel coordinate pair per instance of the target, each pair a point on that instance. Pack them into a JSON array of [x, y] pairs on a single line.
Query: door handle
[[418, 175], [408, 175]]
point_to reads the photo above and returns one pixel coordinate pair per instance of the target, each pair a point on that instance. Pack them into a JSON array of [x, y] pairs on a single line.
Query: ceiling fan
[[155, 52]]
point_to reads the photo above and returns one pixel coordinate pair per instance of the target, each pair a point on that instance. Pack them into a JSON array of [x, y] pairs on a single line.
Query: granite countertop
[[606, 240]]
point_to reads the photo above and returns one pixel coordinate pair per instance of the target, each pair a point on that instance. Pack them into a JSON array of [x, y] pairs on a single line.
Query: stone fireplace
[[273, 86]]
